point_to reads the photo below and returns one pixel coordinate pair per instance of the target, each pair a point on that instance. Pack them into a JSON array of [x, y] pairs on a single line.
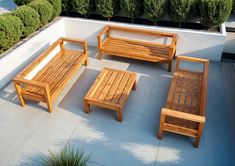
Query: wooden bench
[[49, 81], [111, 90], [185, 110], [137, 49]]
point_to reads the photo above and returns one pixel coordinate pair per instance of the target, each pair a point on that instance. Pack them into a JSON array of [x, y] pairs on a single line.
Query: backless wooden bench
[[185, 110], [137, 49], [49, 81]]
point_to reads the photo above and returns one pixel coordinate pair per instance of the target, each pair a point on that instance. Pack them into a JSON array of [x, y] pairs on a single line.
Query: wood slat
[[107, 87], [114, 87], [120, 89], [102, 85], [127, 89]]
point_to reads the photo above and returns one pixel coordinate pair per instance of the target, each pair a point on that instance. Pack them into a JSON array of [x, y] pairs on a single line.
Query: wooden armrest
[[79, 41], [183, 115], [192, 59], [99, 37], [30, 82], [174, 40], [103, 31]]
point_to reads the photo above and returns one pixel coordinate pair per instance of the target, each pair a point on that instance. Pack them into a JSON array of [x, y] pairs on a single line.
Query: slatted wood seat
[[111, 90], [137, 49], [185, 108], [49, 81]]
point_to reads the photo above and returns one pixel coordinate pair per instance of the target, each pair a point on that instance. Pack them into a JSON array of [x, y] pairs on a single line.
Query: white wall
[[230, 43], [20, 57], [190, 42]]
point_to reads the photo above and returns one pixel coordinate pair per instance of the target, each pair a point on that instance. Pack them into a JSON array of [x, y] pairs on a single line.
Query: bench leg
[[48, 99], [134, 86], [86, 107], [119, 115], [169, 66], [49, 104], [18, 90], [199, 134], [86, 62], [99, 55], [160, 131]]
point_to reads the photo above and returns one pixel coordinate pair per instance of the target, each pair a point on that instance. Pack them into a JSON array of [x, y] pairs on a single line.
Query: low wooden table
[[111, 90]]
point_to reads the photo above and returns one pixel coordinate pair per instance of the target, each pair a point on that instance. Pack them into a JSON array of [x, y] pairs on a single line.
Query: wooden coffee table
[[111, 90]]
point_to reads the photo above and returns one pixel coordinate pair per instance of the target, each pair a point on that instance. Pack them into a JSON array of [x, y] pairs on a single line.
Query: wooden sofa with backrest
[[49, 81], [135, 48], [185, 110]]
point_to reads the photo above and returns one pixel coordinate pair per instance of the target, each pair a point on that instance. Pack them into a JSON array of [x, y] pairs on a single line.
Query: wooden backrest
[[30, 67], [109, 28], [203, 95]]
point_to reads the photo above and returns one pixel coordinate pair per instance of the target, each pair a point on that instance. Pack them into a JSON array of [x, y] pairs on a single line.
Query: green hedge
[[181, 10], [22, 2], [107, 8], [66, 5], [154, 9], [44, 9], [214, 12], [233, 6], [131, 8], [26, 19], [81, 6], [29, 17], [10, 31], [57, 5]]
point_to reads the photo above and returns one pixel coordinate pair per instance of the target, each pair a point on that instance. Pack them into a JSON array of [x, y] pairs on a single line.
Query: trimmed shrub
[[131, 8], [92, 6], [233, 10], [57, 5], [22, 2], [29, 18], [10, 31], [107, 8], [154, 9], [67, 156], [66, 5], [81, 6], [44, 10], [214, 12], [181, 10]]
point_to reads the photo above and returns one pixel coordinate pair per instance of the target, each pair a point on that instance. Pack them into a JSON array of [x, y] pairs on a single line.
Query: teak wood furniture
[[137, 49], [51, 79], [110, 90], [185, 110]]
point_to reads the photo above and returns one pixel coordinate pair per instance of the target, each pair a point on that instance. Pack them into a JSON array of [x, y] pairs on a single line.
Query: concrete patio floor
[[27, 133]]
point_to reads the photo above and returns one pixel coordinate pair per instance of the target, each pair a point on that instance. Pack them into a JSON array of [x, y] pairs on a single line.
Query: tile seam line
[[155, 163], [69, 139], [30, 136], [148, 98]]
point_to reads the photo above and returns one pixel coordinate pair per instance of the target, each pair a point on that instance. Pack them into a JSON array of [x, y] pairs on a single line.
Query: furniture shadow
[[73, 99]]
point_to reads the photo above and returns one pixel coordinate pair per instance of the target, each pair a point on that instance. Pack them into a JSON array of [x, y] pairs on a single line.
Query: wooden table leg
[[134, 86], [86, 107], [119, 115]]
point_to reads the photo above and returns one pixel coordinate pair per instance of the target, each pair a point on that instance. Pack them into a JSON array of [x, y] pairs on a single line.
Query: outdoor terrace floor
[[27, 133]]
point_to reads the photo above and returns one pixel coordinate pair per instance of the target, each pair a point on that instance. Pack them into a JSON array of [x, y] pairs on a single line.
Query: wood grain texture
[[137, 49], [110, 90], [52, 78], [185, 110]]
